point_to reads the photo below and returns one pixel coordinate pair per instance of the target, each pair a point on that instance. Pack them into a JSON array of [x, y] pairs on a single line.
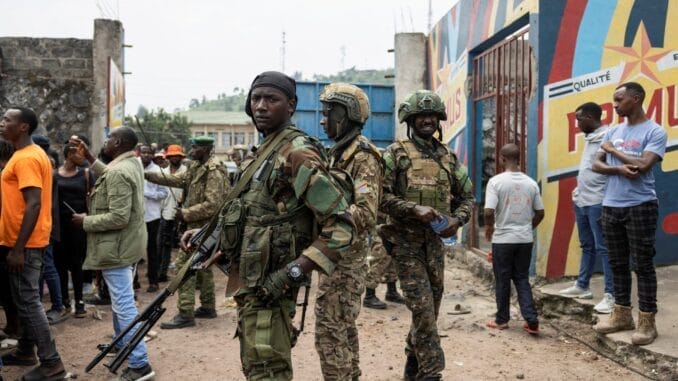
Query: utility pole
[[342, 49], [430, 16], [282, 52]]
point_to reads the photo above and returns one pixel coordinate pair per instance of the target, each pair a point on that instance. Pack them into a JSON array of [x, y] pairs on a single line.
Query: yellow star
[[640, 56]]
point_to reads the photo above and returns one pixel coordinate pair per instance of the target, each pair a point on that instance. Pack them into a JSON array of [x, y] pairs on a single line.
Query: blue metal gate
[[379, 128]]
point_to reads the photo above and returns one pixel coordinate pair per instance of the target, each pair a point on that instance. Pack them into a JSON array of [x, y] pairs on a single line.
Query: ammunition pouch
[[232, 217]]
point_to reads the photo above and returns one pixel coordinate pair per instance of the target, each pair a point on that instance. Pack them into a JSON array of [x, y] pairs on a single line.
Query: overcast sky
[[187, 49]]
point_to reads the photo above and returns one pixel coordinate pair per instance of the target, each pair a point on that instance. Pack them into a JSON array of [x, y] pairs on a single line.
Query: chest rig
[[428, 183], [275, 232]]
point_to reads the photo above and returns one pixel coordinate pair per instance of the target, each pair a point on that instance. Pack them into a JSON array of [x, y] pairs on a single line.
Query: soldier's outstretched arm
[[177, 180], [215, 191], [367, 180]]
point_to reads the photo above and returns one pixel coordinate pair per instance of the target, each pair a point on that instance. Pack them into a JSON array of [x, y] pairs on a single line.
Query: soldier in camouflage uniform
[[345, 110], [204, 183], [423, 182], [381, 269], [294, 218]]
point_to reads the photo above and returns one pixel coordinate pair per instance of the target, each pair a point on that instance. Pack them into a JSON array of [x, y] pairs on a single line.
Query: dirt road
[[472, 352]]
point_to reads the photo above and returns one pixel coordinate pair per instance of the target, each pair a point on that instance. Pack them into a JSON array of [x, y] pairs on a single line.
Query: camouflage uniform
[[204, 186], [412, 178], [339, 295], [289, 194]]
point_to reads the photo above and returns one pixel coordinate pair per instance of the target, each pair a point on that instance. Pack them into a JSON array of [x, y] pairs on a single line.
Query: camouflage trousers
[[265, 334], [381, 268], [336, 309], [421, 269], [203, 280]]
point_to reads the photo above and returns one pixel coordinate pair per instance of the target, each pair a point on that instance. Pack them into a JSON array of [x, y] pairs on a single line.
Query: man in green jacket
[[116, 233]]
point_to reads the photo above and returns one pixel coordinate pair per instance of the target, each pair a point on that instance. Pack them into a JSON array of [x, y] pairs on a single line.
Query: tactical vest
[[271, 239], [427, 183], [340, 170]]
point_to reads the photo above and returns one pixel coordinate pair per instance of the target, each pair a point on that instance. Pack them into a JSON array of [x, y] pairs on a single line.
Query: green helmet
[[421, 101], [350, 96]]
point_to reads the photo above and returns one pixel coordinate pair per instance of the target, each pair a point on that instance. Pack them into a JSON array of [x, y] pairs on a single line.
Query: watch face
[[295, 272]]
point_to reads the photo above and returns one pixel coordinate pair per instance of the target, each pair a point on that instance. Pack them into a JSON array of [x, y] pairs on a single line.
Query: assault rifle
[[204, 254]]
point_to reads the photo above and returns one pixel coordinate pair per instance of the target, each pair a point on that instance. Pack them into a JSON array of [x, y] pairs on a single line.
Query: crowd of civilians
[[54, 247]]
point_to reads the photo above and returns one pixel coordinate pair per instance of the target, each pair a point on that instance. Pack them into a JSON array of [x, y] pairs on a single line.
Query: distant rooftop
[[217, 117]]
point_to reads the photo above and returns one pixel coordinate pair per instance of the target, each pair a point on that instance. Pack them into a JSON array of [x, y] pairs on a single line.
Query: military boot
[[646, 331], [179, 321], [205, 313], [621, 319], [411, 368], [392, 294], [371, 300]]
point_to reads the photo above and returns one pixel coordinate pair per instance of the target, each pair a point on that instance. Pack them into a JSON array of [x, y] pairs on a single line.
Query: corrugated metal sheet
[[380, 127]]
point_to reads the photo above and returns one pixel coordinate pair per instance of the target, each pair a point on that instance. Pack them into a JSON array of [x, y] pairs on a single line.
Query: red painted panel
[[562, 230]]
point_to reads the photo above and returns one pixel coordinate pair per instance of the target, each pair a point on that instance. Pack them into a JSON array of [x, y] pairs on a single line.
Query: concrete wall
[[410, 70], [63, 79], [108, 40]]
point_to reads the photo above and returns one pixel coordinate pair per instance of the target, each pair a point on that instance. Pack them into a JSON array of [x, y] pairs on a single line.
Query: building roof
[[217, 117]]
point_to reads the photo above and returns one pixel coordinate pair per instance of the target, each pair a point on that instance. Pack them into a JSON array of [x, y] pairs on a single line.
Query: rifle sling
[[266, 149]]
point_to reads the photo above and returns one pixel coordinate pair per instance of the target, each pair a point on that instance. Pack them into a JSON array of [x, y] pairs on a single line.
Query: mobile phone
[[69, 207]]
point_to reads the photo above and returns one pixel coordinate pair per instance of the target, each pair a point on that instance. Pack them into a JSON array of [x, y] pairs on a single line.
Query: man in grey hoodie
[[588, 198]]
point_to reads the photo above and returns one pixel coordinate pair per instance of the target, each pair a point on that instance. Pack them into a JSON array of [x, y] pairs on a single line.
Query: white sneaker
[[606, 305], [576, 292]]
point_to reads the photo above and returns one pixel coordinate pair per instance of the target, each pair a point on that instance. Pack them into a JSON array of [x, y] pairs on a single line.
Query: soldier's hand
[[274, 286], [185, 241], [453, 224], [179, 215], [425, 213]]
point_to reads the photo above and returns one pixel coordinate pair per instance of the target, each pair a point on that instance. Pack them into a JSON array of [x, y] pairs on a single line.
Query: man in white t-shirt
[[513, 208]]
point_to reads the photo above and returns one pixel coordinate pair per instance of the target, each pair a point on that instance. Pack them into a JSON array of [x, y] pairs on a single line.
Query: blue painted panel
[[380, 126]]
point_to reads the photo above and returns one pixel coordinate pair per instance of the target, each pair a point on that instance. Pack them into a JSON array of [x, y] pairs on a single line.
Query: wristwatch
[[295, 272]]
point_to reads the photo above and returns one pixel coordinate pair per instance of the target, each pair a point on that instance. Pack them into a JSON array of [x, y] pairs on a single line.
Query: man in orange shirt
[[25, 225]]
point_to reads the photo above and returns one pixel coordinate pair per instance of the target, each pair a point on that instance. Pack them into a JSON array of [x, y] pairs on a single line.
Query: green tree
[[162, 127]]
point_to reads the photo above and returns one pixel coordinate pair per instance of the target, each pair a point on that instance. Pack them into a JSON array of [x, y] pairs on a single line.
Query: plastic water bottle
[[440, 224]]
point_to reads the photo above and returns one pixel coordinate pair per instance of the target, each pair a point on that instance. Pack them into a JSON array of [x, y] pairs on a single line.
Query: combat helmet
[[350, 96], [421, 101]]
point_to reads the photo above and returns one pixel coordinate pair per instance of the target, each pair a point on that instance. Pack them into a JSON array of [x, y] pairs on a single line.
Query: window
[[225, 139], [239, 138], [212, 135], [250, 139]]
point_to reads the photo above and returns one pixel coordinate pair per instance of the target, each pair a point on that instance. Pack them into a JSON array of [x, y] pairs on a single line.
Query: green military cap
[[202, 140]]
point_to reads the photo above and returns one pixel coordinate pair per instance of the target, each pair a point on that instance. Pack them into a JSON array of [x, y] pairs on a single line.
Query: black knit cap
[[274, 79]]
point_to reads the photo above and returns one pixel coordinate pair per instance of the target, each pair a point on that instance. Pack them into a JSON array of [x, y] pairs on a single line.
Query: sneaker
[[56, 316], [136, 374], [576, 292], [80, 311], [97, 301], [606, 305]]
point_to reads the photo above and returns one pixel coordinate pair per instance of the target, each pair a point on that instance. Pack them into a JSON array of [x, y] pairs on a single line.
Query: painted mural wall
[[586, 49], [468, 24]]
